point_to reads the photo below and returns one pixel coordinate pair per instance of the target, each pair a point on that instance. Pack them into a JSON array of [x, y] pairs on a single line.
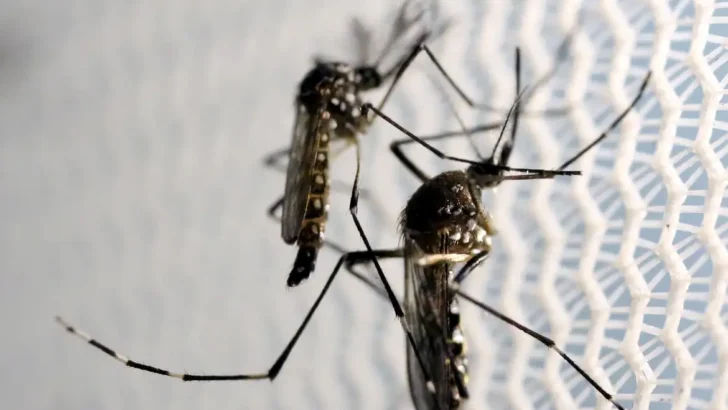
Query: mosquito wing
[[425, 306], [301, 159]]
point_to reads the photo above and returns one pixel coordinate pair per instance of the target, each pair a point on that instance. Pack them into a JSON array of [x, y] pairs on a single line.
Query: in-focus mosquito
[[445, 224], [328, 108]]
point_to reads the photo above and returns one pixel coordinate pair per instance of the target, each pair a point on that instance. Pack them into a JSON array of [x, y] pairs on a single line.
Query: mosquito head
[[368, 77], [489, 172]]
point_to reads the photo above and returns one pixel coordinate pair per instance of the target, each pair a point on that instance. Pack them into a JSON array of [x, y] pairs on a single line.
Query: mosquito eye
[[369, 77]]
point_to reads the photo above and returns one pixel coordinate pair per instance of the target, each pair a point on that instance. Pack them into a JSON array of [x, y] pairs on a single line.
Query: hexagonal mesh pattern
[[133, 201], [624, 267]]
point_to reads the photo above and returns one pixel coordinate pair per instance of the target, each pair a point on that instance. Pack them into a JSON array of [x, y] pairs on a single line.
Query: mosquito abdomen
[[304, 264]]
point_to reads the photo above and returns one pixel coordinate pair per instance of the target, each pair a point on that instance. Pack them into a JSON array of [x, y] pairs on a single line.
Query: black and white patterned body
[[443, 223], [328, 108]]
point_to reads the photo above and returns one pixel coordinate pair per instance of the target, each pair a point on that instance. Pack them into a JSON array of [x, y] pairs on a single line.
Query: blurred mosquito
[[445, 224], [328, 108]]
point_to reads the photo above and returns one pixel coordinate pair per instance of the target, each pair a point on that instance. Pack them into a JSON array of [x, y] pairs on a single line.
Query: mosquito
[[444, 224], [328, 108]]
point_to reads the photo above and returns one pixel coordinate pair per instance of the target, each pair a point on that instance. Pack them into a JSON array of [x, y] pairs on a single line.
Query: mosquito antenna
[[508, 116]]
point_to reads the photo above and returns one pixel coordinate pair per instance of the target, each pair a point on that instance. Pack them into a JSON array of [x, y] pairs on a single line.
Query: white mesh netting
[[625, 266], [133, 203]]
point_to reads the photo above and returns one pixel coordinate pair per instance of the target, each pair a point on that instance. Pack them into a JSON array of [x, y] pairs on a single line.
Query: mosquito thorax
[[325, 71], [448, 208]]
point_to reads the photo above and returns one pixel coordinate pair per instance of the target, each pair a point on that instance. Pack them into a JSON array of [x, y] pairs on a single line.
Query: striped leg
[[352, 258], [550, 344], [152, 369]]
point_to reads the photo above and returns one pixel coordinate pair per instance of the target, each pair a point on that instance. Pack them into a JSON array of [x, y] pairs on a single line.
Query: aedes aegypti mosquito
[[328, 108], [445, 224]]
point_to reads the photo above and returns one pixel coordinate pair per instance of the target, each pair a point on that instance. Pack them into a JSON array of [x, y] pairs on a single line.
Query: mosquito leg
[[516, 111], [396, 146], [272, 212], [612, 125], [351, 263], [467, 269], [348, 142], [274, 159], [338, 186], [370, 283], [353, 209], [505, 153], [273, 209], [470, 266], [378, 253], [270, 374], [401, 26], [365, 111], [495, 167], [562, 54], [546, 342], [399, 73], [459, 91]]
